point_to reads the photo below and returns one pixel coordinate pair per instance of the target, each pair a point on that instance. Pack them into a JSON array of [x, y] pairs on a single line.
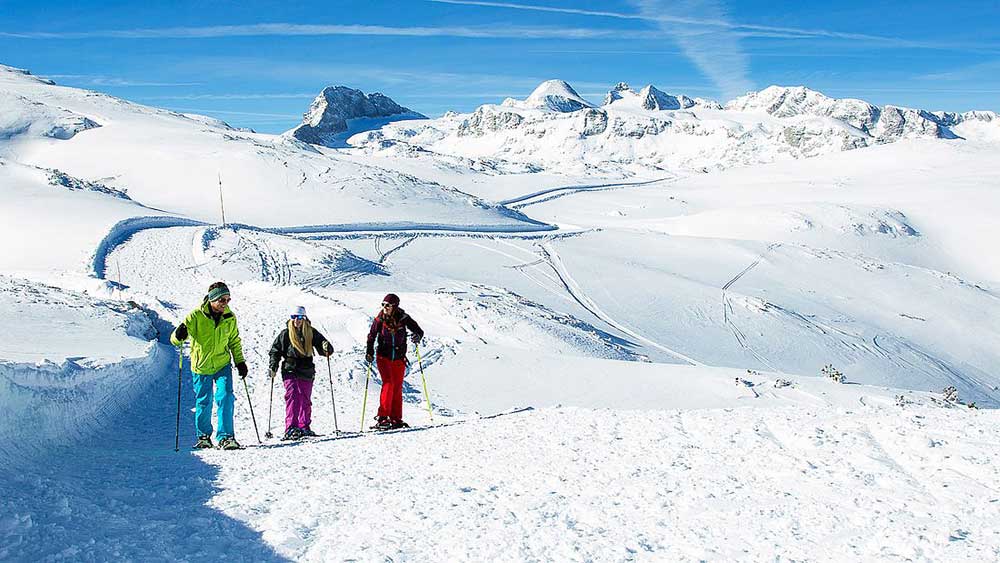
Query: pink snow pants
[[298, 402]]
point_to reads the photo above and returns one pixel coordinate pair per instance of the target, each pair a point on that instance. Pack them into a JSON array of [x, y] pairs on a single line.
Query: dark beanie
[[391, 298]]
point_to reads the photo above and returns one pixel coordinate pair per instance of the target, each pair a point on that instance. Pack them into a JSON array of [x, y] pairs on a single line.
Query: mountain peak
[[556, 95], [326, 121], [655, 99], [650, 97], [788, 101], [619, 91]]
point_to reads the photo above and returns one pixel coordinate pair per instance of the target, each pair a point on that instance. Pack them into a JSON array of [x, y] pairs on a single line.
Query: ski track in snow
[[125, 229], [587, 303], [727, 307], [554, 193]]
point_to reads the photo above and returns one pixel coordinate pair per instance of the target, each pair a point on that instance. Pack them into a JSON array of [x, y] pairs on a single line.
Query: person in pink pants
[[293, 349]]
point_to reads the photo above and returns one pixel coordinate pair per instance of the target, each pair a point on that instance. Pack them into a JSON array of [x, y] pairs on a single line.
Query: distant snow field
[[631, 308]]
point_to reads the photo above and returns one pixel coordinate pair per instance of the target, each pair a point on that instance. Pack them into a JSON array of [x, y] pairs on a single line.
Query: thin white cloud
[[229, 112], [291, 29], [236, 96], [981, 72], [714, 49], [744, 29], [91, 80], [368, 77]]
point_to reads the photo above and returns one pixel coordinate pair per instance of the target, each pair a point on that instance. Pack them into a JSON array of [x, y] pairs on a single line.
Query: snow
[[552, 95], [623, 352], [623, 485]]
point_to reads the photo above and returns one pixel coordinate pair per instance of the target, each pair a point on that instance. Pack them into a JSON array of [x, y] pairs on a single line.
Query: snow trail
[[587, 303], [733, 484], [526, 199], [126, 495], [127, 228], [727, 307]]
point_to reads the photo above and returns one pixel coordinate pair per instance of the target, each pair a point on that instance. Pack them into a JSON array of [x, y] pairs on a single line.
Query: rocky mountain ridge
[[328, 116], [555, 127]]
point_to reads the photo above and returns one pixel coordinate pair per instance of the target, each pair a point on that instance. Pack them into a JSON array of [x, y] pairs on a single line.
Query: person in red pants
[[389, 329]]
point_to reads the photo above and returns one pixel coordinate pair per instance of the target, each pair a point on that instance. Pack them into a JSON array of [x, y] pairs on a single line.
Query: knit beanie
[[391, 298], [218, 292], [298, 310]]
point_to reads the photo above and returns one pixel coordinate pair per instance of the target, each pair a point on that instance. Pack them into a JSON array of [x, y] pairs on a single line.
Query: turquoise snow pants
[[224, 401]]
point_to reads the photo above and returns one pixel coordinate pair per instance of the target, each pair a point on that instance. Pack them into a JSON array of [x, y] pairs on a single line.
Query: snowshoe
[[204, 443], [229, 443], [292, 434]]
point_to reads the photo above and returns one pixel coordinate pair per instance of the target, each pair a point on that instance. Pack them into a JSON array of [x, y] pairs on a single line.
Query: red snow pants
[[391, 372]]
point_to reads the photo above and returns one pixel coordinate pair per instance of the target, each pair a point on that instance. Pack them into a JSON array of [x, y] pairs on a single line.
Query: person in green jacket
[[214, 337]]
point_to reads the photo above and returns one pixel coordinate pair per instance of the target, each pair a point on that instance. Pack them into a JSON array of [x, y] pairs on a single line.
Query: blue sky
[[259, 64]]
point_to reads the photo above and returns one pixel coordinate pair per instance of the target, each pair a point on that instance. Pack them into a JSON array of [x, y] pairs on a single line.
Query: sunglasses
[[298, 317], [223, 300], [387, 304]]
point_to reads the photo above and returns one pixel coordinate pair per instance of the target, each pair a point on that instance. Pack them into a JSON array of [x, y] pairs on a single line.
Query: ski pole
[[269, 403], [364, 403], [180, 376], [252, 417], [329, 372], [420, 364]]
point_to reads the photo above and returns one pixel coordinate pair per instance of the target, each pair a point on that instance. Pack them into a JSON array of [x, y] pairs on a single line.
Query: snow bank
[[68, 363]]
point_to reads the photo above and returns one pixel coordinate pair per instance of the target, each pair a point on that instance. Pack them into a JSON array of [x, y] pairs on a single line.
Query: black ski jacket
[[295, 364]]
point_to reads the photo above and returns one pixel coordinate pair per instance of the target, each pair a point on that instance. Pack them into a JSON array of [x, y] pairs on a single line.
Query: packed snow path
[[798, 483], [125, 494]]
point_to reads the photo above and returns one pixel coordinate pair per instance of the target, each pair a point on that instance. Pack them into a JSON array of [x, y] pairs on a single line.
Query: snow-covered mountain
[[886, 124], [337, 108], [650, 130], [552, 95], [625, 358]]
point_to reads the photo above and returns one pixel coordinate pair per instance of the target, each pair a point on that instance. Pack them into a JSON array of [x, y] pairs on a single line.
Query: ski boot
[[396, 424], [383, 423], [308, 433], [204, 442], [229, 443], [292, 434]]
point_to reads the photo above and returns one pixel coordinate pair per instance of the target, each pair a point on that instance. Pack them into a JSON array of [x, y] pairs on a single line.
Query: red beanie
[[391, 298]]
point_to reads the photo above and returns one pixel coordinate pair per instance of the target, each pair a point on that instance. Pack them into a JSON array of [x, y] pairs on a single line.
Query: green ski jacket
[[211, 342]]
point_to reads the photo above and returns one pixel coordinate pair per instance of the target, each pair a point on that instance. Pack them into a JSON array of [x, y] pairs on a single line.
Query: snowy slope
[[623, 357], [173, 162]]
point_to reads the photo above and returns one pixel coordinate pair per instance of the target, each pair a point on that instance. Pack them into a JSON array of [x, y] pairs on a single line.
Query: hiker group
[[216, 346]]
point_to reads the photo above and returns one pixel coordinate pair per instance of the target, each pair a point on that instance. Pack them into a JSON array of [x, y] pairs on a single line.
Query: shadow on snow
[[125, 494]]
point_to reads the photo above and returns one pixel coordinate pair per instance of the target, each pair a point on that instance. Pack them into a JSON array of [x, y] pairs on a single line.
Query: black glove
[[369, 357], [327, 349], [416, 338], [182, 332], [242, 369]]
